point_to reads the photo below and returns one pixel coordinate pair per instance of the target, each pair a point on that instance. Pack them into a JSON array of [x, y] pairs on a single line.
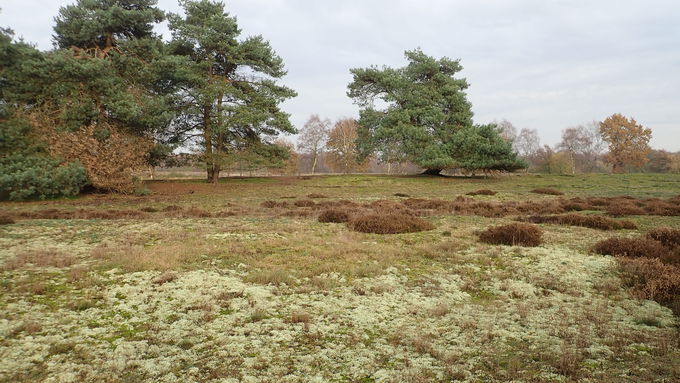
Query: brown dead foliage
[[316, 195], [6, 219], [149, 209], [591, 221], [389, 223], [273, 204], [334, 216], [640, 247], [403, 195], [304, 203], [653, 279], [514, 234], [40, 258], [482, 192], [548, 191], [667, 236], [623, 209]]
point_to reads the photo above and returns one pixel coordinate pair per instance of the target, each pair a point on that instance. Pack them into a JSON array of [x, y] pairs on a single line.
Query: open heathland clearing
[[347, 279]]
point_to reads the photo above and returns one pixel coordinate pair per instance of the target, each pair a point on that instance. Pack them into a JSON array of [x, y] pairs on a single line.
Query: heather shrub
[[304, 203], [514, 234], [6, 219], [273, 204], [316, 195], [482, 192], [334, 216], [666, 235], [590, 221], [624, 208], [389, 223], [548, 191], [653, 279], [632, 247]]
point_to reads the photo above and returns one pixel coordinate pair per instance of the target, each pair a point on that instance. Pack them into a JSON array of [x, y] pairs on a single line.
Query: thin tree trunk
[[314, 162]]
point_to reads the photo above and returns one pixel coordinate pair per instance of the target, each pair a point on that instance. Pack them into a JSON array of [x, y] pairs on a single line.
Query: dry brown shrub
[[170, 208], [652, 279], [575, 204], [110, 162], [597, 201], [195, 212], [623, 209], [40, 258], [164, 278], [627, 224], [304, 203], [403, 195], [590, 221], [5, 219], [659, 207], [514, 234], [666, 235], [389, 223], [334, 216], [482, 192], [316, 195], [149, 209], [548, 191], [632, 247], [273, 204]]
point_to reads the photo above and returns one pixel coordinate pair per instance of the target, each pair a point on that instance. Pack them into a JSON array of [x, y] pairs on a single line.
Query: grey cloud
[[540, 64]]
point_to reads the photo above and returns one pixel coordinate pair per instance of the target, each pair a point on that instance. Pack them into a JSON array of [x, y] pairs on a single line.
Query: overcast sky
[[540, 64]]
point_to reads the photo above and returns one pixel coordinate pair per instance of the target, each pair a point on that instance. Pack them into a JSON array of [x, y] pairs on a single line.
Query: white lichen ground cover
[[292, 300]]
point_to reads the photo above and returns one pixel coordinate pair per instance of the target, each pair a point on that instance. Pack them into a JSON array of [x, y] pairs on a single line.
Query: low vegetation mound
[[389, 223], [273, 204], [666, 235], [640, 247], [304, 203], [651, 278], [548, 191], [514, 234], [6, 220], [591, 221], [623, 209], [334, 216], [316, 195], [403, 195], [482, 192]]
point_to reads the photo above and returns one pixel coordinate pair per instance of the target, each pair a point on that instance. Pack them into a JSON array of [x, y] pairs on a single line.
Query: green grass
[[417, 307]]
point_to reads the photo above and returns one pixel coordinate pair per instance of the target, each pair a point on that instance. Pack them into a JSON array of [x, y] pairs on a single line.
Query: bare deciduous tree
[[584, 144], [507, 129], [342, 147], [313, 137], [527, 143]]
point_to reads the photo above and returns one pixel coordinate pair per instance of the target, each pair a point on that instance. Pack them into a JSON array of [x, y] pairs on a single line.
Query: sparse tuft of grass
[[270, 277], [389, 223], [40, 258]]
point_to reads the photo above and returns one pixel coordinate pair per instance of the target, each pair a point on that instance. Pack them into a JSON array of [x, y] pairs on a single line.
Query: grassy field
[[239, 282]]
